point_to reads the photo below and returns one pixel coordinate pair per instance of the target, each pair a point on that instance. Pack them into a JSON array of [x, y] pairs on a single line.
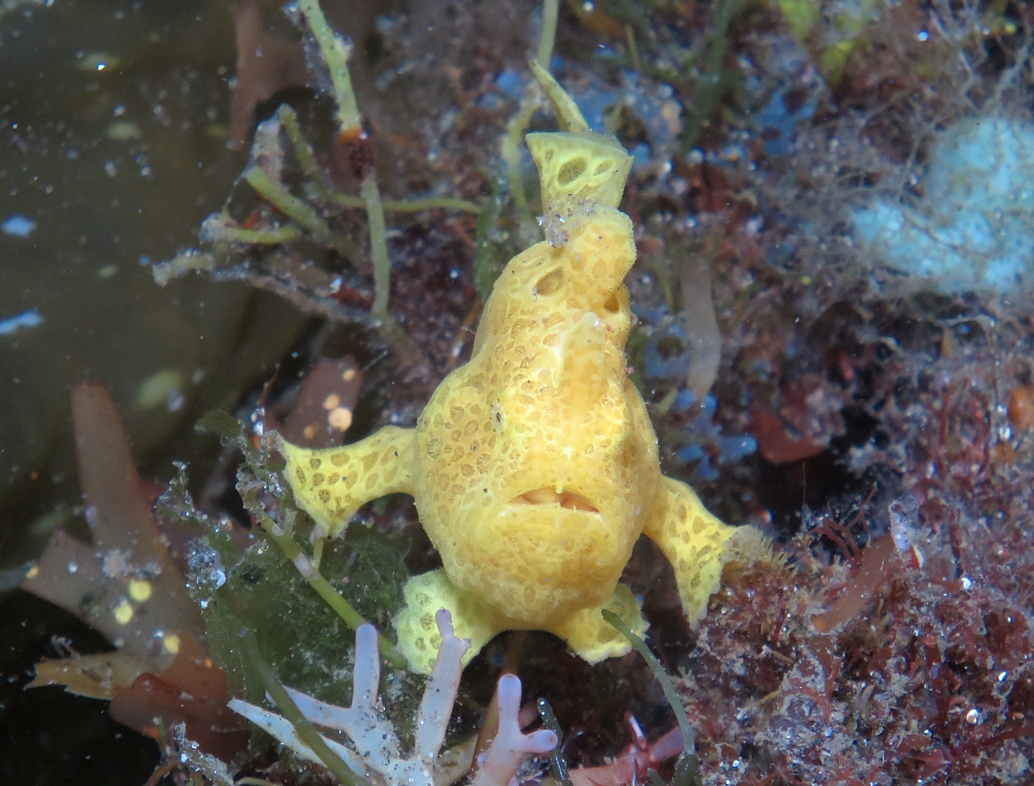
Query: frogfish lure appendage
[[534, 467]]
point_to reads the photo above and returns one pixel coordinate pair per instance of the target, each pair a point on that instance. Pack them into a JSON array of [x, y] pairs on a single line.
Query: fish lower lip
[[568, 500]]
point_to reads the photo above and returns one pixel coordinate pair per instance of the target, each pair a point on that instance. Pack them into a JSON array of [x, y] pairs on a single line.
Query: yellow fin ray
[[593, 638], [693, 539], [418, 634], [332, 484]]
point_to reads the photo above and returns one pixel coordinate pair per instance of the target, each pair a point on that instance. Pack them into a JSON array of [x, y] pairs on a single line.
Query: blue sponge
[[974, 228]]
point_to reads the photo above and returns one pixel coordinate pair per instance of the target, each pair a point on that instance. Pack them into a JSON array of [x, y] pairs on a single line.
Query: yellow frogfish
[[534, 466]]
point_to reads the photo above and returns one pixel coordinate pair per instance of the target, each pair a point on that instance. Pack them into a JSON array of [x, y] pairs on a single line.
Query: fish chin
[[539, 558]]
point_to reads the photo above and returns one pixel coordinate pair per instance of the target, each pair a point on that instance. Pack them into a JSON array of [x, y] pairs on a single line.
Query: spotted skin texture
[[534, 467]]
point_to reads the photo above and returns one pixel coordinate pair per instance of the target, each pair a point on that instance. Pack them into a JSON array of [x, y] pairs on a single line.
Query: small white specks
[[175, 401], [305, 566], [115, 563]]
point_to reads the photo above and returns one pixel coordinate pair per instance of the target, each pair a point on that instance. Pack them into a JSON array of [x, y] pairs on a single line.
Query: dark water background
[[113, 144], [115, 165]]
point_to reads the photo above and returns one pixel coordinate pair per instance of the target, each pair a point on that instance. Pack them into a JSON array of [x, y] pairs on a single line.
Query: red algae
[[125, 583], [193, 691], [876, 565]]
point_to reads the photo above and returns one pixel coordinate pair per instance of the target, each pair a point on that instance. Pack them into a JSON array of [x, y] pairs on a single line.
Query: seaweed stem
[[336, 52], [547, 38], [221, 232], [633, 50], [345, 610], [431, 203], [511, 151], [296, 209], [185, 261], [532, 100], [568, 115], [283, 701], [408, 205], [688, 739], [302, 149], [711, 82], [556, 757], [371, 195], [261, 237]]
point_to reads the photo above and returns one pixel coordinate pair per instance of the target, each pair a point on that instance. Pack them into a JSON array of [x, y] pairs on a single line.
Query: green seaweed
[[713, 81], [283, 701], [547, 38], [307, 637], [288, 219], [302, 619], [688, 762], [259, 476], [336, 51], [298, 210], [556, 756], [310, 637], [531, 102], [489, 260]]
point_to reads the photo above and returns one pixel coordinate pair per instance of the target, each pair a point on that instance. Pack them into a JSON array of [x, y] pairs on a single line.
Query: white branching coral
[[499, 764], [374, 753]]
